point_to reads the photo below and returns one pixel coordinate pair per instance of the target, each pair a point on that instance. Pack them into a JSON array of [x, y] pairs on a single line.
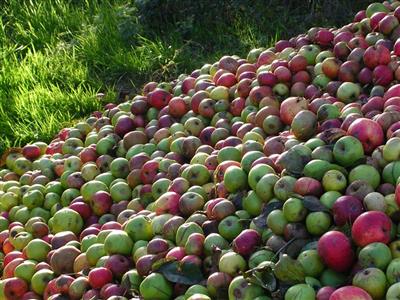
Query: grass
[[56, 55]]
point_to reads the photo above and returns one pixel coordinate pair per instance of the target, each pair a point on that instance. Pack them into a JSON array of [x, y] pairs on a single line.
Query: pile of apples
[[270, 177]]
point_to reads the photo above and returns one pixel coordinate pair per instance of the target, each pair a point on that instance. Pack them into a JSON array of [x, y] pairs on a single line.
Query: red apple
[[370, 227], [335, 250], [369, 133]]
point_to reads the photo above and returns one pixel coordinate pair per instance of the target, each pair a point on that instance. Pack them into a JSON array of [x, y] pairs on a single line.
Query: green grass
[[56, 55]]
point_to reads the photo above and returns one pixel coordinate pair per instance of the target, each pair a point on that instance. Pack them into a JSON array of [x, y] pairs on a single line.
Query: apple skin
[[372, 280], [370, 227], [290, 107], [350, 293], [376, 55], [31, 151], [325, 292], [346, 209], [348, 92], [305, 290], [335, 250], [98, 277], [13, 288], [347, 151], [246, 242], [368, 132]]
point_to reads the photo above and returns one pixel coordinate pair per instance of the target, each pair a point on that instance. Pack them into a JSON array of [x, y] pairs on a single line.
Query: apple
[[311, 263], [40, 280], [235, 179], [372, 280], [67, 219], [325, 292], [348, 150], [156, 286], [350, 292], [368, 132], [240, 288], [118, 242], [232, 264], [98, 277], [370, 227], [304, 290], [290, 107], [348, 92], [331, 247], [13, 288]]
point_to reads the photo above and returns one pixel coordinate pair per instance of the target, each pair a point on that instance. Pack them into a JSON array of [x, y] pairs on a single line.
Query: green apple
[[118, 242], [284, 187], [277, 221], [78, 287], [235, 179], [334, 180], [67, 219], [139, 228], [94, 253], [310, 52], [395, 248], [252, 203], [229, 153], [119, 167], [324, 153], [121, 191], [347, 151], [232, 263], [300, 291], [91, 187], [155, 286], [332, 278], [88, 241], [68, 195], [391, 150], [89, 171], [367, 173], [25, 270], [214, 240], [131, 280], [40, 280], [393, 291], [311, 262], [37, 249], [248, 159], [220, 92], [329, 198], [265, 187], [22, 214], [8, 200], [241, 289], [348, 92], [21, 240], [160, 187], [391, 172], [318, 222], [230, 227], [373, 281], [393, 271], [294, 210], [196, 174], [257, 172], [374, 8], [260, 256]]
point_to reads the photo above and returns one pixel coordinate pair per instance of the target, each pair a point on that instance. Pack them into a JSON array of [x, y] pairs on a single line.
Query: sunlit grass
[[55, 56]]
